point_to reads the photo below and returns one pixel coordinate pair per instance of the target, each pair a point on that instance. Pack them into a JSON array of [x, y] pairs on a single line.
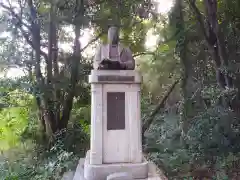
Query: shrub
[[216, 132], [33, 162], [212, 142]]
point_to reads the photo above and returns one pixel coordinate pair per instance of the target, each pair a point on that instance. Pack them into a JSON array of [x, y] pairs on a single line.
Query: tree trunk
[[45, 110], [41, 118], [53, 93], [186, 69], [214, 40], [68, 103], [75, 62], [160, 105], [35, 31], [217, 43], [48, 95]]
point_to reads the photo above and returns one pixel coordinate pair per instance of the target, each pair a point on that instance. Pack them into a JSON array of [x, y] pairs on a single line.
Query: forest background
[[186, 50]]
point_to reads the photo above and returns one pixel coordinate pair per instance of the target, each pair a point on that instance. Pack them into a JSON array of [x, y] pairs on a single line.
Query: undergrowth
[[31, 161], [211, 150]]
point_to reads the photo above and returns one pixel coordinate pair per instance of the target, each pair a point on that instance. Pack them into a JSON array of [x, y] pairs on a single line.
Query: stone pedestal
[[116, 144], [101, 172]]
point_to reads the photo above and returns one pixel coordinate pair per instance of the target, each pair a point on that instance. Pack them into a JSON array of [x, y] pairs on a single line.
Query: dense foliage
[[190, 91]]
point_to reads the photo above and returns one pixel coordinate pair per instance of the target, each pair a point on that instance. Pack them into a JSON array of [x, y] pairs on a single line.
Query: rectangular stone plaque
[[116, 78], [115, 110]]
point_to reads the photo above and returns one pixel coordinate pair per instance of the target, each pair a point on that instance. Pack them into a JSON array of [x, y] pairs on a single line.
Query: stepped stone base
[[120, 176], [142, 171]]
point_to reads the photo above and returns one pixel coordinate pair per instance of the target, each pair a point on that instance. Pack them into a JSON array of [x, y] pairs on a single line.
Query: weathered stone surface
[[68, 175], [116, 146], [153, 172], [120, 176], [100, 172], [115, 119], [79, 174], [116, 78]]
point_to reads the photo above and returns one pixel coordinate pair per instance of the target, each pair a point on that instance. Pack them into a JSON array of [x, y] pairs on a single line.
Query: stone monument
[[113, 55], [116, 144]]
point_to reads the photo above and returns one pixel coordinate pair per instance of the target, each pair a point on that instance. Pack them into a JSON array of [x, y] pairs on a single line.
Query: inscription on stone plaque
[[116, 78], [115, 110]]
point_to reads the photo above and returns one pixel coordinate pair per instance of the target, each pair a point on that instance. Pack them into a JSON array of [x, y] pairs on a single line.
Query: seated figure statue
[[113, 56]]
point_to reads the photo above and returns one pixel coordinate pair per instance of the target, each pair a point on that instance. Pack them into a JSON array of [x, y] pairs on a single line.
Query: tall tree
[[214, 37], [56, 75], [54, 100]]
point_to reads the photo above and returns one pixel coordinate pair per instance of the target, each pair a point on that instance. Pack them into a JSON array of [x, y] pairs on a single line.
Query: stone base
[[142, 171], [100, 172]]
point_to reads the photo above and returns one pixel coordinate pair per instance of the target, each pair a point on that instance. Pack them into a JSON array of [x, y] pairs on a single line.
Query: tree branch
[[10, 10], [26, 37], [92, 41], [198, 15], [149, 121], [143, 53], [24, 33]]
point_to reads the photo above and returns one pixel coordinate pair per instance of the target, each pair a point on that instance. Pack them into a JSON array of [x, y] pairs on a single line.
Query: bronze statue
[[113, 56]]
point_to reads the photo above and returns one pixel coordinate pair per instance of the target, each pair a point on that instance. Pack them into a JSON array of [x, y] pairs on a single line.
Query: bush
[[28, 164], [30, 159], [14, 118], [216, 132], [33, 162], [212, 142]]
